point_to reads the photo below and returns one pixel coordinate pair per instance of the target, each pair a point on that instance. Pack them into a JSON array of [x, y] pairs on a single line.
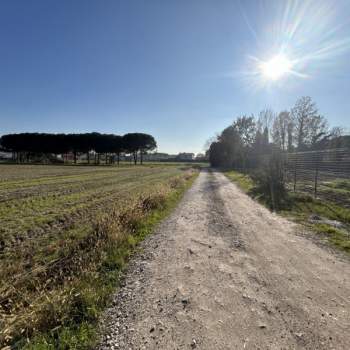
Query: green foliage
[[77, 338], [303, 206], [27, 146], [269, 182], [233, 144], [244, 181], [335, 236]]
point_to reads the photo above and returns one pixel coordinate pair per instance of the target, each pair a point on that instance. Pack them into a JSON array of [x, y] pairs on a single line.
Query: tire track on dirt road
[[222, 272]]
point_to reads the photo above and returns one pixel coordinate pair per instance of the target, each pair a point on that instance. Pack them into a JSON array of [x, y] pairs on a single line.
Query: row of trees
[[27, 146], [302, 128], [257, 145]]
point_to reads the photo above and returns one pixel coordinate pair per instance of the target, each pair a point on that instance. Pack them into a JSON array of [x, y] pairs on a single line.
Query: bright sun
[[276, 68]]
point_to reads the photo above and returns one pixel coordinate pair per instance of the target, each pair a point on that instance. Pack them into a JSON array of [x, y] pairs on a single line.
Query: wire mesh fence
[[323, 174]]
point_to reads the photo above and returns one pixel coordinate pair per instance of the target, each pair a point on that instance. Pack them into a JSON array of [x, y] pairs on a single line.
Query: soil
[[223, 272]]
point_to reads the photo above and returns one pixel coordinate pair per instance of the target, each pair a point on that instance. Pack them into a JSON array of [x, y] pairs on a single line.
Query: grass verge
[[245, 182], [59, 307], [300, 207]]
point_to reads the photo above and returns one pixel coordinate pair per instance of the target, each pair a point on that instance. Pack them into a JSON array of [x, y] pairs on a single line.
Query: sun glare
[[276, 68], [296, 40]]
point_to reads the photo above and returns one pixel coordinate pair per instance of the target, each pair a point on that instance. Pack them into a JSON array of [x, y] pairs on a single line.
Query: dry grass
[[55, 284]]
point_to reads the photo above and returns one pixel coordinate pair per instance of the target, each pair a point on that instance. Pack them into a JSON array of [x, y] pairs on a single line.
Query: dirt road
[[222, 272]]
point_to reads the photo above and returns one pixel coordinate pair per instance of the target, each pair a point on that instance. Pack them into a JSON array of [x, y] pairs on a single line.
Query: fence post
[[316, 176], [295, 172]]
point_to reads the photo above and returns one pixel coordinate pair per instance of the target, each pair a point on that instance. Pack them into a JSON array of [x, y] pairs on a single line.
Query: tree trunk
[[88, 157], [135, 157], [141, 157], [118, 158], [75, 157]]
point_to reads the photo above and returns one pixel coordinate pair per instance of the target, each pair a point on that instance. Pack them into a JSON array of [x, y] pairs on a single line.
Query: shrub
[[270, 182]]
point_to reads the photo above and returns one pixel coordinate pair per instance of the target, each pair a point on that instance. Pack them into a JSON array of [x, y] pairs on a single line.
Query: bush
[[270, 183]]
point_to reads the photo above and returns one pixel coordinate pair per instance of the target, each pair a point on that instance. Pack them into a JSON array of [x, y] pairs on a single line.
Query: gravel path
[[222, 272]]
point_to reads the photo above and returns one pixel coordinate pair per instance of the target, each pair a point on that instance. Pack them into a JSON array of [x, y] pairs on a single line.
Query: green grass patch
[[338, 184], [244, 181], [301, 207], [335, 236]]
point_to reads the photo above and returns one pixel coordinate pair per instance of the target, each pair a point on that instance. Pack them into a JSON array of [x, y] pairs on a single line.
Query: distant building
[[158, 157], [165, 157], [185, 156], [5, 155], [200, 157]]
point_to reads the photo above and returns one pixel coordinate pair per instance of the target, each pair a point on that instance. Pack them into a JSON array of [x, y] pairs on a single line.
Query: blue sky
[[180, 70]]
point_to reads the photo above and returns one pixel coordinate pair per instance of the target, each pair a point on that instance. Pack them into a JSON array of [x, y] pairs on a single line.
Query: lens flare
[[276, 68], [294, 41]]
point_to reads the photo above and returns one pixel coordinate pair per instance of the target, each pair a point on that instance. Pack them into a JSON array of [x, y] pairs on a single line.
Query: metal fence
[[323, 174]]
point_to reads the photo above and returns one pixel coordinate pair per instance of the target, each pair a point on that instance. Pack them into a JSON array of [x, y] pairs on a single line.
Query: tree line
[[257, 145], [26, 147], [302, 128]]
